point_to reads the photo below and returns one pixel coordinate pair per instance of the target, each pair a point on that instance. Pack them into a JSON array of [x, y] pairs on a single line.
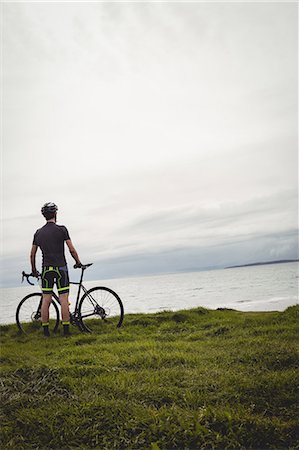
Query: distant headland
[[281, 261]]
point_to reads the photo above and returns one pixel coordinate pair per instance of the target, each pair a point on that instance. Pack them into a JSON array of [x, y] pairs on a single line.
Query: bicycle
[[96, 303]]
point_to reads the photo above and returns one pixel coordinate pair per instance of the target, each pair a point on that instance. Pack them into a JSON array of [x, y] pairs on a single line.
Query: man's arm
[[32, 259], [73, 251]]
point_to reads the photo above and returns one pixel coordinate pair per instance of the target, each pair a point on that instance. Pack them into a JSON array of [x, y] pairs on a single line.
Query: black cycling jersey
[[50, 238]]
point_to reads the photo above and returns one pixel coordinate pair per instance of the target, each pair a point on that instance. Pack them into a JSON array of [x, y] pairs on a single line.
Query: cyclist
[[50, 239]]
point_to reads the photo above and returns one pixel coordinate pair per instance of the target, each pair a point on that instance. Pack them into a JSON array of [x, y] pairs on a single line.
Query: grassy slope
[[188, 379]]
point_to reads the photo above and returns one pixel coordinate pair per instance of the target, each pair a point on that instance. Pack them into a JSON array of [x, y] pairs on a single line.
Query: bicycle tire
[[28, 314], [100, 303]]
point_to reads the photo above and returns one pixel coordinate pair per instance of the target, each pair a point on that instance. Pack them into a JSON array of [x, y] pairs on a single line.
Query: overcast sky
[[166, 133]]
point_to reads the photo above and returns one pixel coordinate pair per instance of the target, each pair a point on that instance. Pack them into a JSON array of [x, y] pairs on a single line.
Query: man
[[51, 238]]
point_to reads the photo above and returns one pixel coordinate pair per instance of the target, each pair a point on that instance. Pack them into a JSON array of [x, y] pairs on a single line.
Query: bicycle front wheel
[[100, 303], [28, 314]]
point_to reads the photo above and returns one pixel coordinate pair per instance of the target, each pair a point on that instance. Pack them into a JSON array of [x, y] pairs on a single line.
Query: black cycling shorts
[[58, 275]]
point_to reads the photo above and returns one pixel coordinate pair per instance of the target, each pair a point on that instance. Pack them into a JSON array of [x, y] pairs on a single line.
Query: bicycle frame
[[81, 287]]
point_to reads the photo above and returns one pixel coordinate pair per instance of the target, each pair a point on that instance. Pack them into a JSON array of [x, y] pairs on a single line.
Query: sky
[[166, 132]]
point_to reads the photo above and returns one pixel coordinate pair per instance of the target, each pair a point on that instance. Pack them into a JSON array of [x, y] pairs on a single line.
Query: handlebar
[[27, 275]]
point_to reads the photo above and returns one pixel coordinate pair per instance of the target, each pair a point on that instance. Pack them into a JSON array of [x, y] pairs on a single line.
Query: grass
[[196, 379]]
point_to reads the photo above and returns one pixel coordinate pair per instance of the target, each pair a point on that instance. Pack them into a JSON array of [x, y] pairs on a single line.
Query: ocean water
[[256, 288]]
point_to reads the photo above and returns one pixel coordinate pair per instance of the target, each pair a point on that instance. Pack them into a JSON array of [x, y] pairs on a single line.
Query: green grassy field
[[196, 379]]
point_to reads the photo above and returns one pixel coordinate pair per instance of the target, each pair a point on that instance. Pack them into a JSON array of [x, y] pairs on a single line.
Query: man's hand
[[35, 273], [78, 266]]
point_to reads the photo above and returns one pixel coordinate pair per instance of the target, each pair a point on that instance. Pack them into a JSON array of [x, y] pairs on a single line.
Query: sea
[[271, 287]]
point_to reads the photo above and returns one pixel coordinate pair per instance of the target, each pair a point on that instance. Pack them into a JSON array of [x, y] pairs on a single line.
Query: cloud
[[217, 223], [223, 214], [199, 257]]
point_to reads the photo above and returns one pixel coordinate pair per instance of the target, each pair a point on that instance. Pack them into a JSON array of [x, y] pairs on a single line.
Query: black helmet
[[49, 209]]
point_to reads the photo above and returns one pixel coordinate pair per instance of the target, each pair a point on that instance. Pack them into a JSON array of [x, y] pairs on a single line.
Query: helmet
[[49, 209]]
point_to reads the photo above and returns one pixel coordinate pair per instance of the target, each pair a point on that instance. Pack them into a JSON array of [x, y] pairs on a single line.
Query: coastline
[[261, 288], [265, 263]]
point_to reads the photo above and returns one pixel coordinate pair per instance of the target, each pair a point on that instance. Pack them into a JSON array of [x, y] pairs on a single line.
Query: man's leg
[[65, 312], [47, 299]]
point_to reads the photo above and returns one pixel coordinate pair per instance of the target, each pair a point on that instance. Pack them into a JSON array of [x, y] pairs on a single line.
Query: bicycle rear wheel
[[100, 303], [28, 314]]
